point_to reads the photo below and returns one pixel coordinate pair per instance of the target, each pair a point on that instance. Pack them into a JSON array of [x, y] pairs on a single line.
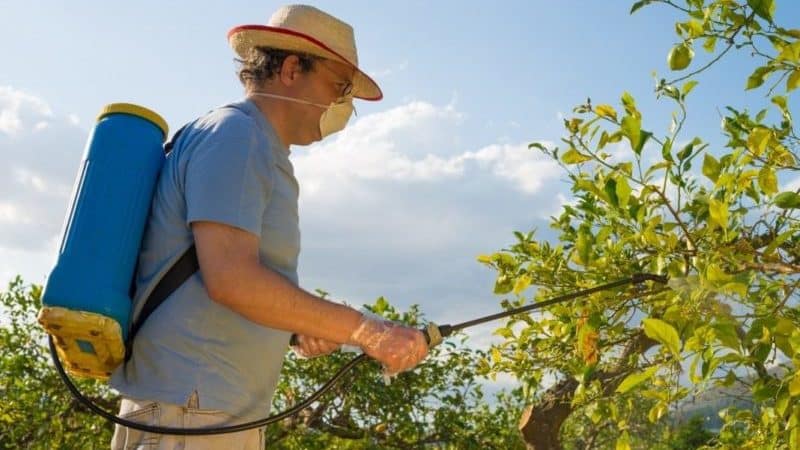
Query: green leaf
[[623, 442], [630, 104], [787, 200], [680, 56], [639, 4], [610, 189], [793, 81], [573, 156], [767, 180], [666, 150], [664, 333], [538, 145], [632, 128], [758, 77], [584, 246], [636, 379], [688, 87], [711, 167], [645, 135], [764, 8], [778, 241], [623, 191], [709, 44]]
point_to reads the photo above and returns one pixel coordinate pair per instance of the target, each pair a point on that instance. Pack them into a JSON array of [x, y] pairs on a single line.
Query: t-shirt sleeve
[[228, 175]]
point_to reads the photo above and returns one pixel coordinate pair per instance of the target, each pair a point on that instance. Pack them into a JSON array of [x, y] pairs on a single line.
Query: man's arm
[[235, 278]]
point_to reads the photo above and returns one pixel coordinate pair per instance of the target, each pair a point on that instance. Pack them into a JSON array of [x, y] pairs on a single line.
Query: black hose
[[198, 431]]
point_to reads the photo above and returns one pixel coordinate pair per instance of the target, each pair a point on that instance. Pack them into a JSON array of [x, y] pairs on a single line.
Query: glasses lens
[[348, 89]]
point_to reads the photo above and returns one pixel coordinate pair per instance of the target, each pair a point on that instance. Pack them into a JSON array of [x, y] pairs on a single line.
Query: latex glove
[[311, 347], [397, 347]]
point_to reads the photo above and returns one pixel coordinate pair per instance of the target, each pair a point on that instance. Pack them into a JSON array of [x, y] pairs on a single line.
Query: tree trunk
[[540, 424]]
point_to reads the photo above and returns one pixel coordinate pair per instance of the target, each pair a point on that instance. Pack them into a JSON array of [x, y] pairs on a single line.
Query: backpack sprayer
[[87, 298]]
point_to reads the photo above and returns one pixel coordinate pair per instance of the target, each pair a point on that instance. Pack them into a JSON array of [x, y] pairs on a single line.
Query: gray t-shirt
[[227, 167]]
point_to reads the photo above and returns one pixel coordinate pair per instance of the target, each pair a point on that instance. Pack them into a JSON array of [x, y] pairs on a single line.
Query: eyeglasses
[[345, 87]]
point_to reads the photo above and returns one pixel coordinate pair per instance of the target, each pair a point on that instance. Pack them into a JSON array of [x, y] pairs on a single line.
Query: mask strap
[[291, 99]]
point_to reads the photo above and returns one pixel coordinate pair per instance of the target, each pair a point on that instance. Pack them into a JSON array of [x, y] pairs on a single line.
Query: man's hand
[[311, 347], [397, 347]]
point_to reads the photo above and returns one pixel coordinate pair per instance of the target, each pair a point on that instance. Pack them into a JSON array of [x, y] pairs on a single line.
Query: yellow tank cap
[[135, 110]]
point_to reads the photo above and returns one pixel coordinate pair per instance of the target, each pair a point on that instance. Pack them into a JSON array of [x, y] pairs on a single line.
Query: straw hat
[[306, 29]]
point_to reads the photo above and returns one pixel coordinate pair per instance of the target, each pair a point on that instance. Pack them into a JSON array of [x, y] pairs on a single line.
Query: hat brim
[[245, 37]]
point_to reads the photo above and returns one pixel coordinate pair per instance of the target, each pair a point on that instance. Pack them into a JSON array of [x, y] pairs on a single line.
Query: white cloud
[[396, 205], [408, 144], [17, 108], [41, 152], [384, 73]]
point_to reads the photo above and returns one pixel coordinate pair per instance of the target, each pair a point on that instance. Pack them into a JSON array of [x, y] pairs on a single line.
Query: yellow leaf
[[719, 212], [768, 181], [623, 442], [794, 386], [715, 273], [664, 333], [522, 283], [636, 379], [496, 356], [793, 81], [573, 156], [606, 111], [758, 139], [486, 259]]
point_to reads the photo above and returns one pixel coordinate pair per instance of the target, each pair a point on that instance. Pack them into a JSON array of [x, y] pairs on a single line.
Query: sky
[[402, 201]]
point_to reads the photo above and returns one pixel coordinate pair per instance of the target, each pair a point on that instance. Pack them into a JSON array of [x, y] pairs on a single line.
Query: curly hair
[[262, 63]]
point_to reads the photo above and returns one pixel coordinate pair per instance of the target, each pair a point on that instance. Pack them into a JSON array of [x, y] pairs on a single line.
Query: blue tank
[[86, 302]]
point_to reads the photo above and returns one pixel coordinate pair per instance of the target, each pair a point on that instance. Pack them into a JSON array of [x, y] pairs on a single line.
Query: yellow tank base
[[89, 344]]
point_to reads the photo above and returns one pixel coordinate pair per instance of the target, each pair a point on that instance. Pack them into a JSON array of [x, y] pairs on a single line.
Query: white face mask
[[333, 119]]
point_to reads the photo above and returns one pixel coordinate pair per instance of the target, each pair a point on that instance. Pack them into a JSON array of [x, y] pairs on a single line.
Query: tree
[[710, 216], [37, 411], [439, 405], [690, 435]]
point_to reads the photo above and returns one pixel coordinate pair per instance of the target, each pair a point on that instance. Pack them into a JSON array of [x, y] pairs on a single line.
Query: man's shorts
[[189, 416]]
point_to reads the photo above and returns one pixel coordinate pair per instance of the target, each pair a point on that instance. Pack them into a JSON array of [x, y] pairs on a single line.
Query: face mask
[[333, 119]]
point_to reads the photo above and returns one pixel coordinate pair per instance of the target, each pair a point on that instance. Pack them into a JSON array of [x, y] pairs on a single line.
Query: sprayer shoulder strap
[[183, 268]]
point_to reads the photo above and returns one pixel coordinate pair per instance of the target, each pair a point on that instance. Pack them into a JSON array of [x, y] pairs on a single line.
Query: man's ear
[[290, 70]]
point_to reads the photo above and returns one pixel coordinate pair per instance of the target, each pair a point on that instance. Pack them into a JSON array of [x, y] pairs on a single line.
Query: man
[[212, 353]]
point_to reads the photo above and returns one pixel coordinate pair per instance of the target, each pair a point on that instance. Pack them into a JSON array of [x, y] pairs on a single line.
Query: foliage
[[37, 412], [690, 435], [710, 216]]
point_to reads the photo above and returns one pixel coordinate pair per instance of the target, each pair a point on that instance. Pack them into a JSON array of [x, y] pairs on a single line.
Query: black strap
[[183, 268]]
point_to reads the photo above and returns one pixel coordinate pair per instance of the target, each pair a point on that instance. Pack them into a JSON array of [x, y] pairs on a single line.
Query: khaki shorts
[[171, 415]]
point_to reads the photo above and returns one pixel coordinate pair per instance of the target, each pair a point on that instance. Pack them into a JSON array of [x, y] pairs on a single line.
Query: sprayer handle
[[435, 334]]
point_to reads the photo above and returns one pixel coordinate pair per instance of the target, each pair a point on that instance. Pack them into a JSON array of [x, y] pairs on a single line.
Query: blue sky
[[402, 202]]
